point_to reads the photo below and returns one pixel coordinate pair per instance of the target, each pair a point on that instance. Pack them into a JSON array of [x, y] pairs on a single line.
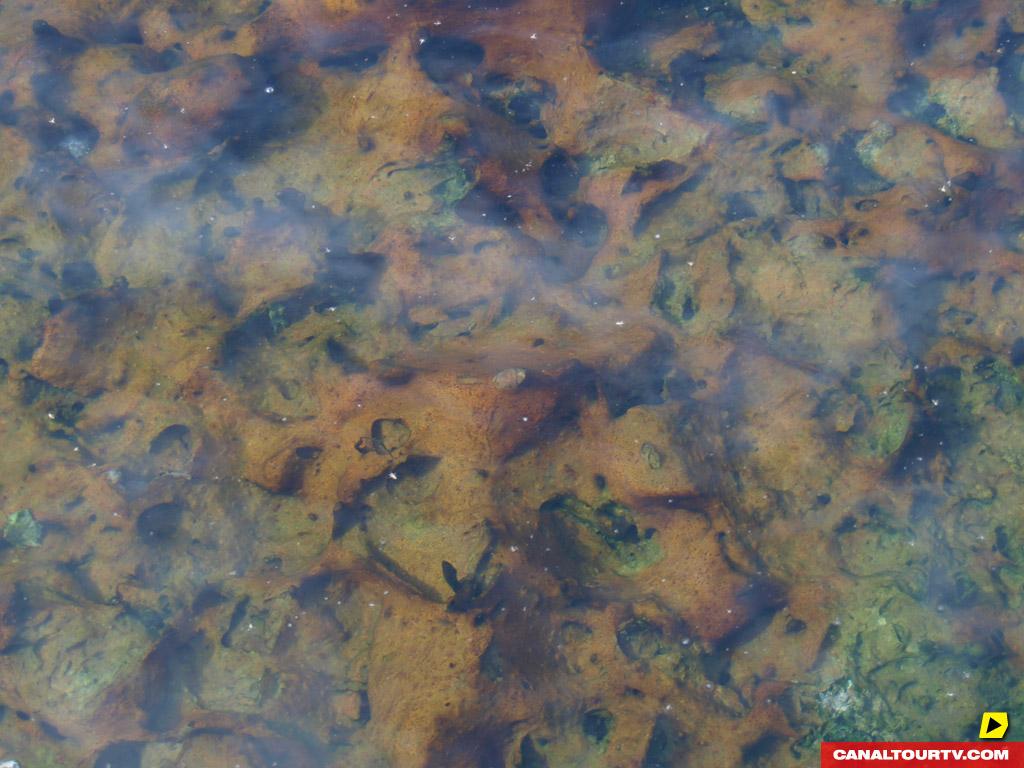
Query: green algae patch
[[603, 538], [674, 297], [886, 428], [23, 530]]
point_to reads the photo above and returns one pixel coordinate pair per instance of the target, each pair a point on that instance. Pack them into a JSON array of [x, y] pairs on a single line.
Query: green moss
[[886, 428], [675, 298], [22, 529], [605, 538], [278, 319], [453, 187]]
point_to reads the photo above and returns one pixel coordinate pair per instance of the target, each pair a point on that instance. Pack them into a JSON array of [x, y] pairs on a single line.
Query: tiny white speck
[[392, 475]]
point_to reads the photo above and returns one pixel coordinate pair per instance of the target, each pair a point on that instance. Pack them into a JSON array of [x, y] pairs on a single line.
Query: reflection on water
[[525, 384]]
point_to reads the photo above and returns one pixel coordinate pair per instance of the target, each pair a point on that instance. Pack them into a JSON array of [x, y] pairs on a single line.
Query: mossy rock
[[886, 427], [603, 538], [23, 530]]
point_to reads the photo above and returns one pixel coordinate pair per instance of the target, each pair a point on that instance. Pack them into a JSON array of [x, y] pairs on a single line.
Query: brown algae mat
[[510, 385]]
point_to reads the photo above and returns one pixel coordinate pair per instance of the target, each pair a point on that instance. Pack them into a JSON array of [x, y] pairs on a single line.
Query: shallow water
[[526, 384]]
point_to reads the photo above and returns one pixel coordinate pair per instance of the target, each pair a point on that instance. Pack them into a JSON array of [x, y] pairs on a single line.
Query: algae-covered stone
[[875, 413], [640, 639], [880, 547], [68, 663], [973, 108], [509, 378], [848, 712], [886, 427], [806, 299], [568, 746], [651, 455], [909, 153], [415, 524], [389, 435], [23, 530], [697, 294], [604, 538]]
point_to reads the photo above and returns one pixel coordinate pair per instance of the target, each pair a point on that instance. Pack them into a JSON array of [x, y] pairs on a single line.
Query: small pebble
[[510, 378]]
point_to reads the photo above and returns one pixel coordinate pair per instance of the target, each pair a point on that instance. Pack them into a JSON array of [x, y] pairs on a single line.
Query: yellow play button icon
[[994, 725]]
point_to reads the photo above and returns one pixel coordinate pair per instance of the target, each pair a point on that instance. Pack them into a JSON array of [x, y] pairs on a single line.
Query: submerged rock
[[509, 378], [602, 539], [22, 529]]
